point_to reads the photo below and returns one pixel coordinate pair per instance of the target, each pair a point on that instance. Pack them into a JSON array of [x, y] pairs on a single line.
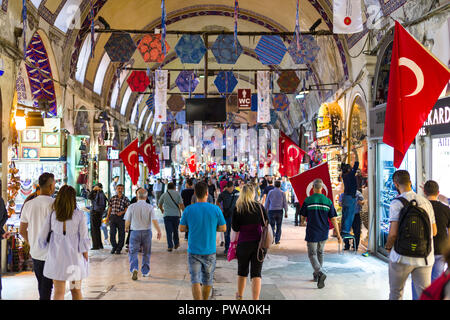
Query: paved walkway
[[287, 274]]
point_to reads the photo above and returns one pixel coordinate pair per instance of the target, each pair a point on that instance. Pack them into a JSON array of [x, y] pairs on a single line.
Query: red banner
[[291, 156], [130, 159], [145, 150]]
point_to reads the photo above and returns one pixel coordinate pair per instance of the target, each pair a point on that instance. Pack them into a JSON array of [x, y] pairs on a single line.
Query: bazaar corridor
[[287, 274]]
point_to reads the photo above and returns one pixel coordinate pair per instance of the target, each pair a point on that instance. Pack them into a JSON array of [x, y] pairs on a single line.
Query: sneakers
[[113, 251], [169, 249], [135, 274], [146, 275], [321, 281], [118, 251], [222, 244], [316, 277], [177, 246]]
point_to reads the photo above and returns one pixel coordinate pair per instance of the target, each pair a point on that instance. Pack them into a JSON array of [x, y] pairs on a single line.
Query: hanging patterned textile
[[232, 103], [149, 102], [138, 81], [180, 117], [307, 51], [270, 50], [163, 27], [280, 102], [264, 101], [161, 78], [190, 48], [187, 81], [175, 103], [225, 81], [120, 47], [151, 49], [224, 49], [288, 82], [254, 105]]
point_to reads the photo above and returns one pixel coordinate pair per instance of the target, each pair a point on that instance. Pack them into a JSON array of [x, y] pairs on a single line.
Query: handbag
[[234, 236], [266, 238], [50, 230]]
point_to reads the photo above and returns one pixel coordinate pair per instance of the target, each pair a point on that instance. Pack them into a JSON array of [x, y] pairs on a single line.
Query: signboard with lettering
[[244, 98], [112, 154], [438, 121]]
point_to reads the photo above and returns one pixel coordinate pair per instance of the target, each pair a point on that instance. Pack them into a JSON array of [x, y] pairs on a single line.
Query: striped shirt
[[317, 209]]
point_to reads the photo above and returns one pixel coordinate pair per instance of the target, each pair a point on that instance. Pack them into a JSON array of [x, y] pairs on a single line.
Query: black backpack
[[414, 239], [99, 203]]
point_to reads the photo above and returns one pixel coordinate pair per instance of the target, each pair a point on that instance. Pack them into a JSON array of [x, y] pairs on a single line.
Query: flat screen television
[[206, 109]]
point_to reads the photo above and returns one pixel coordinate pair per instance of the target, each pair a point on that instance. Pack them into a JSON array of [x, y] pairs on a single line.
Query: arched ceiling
[[196, 15]]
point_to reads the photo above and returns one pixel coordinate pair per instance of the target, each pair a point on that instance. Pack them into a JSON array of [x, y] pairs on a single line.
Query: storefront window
[[441, 164], [386, 191]]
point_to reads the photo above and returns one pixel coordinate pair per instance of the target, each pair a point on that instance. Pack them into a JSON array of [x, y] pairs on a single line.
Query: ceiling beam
[[216, 33]]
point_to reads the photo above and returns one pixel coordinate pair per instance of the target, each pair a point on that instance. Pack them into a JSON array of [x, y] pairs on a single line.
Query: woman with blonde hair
[[248, 220], [66, 235]]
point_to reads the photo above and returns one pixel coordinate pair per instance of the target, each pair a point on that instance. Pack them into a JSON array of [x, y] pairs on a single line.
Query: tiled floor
[[287, 274]]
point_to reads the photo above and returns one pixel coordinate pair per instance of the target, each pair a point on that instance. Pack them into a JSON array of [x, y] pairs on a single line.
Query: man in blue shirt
[[202, 220], [275, 203], [318, 209]]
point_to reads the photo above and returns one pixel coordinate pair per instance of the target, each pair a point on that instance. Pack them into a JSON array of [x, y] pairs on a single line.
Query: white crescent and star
[[129, 156], [145, 149], [310, 185], [296, 149], [417, 73]]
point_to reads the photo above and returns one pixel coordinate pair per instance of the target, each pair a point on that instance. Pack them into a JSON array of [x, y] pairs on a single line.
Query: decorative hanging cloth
[[120, 47], [161, 78], [180, 117], [264, 101], [225, 51], [288, 82], [280, 102], [270, 50], [187, 81], [232, 103], [273, 116], [307, 52], [151, 49], [175, 103], [254, 106], [138, 81], [190, 48], [225, 81], [149, 103]]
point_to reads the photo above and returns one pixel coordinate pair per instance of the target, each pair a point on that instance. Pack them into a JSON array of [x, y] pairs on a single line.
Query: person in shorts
[[202, 220]]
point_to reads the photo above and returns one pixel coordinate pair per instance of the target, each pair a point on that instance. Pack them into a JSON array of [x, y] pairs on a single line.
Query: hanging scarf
[[92, 30], [160, 97], [24, 18], [264, 102], [163, 26]]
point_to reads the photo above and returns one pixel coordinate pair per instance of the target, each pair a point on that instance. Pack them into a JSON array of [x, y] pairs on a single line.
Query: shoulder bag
[[176, 205], [50, 230], [266, 237]]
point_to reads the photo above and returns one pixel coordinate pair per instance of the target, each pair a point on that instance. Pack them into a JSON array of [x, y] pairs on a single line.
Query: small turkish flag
[[303, 183], [416, 81], [130, 159], [145, 150], [192, 164], [155, 161], [291, 156]]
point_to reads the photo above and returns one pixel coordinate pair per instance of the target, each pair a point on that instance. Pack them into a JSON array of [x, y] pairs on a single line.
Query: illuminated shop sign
[[438, 121]]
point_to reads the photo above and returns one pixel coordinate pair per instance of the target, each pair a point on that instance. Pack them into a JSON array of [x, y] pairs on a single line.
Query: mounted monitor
[[206, 110]]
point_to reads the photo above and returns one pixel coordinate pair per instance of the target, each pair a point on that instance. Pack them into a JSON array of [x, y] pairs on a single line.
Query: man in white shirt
[[401, 266], [33, 216], [139, 218], [158, 188]]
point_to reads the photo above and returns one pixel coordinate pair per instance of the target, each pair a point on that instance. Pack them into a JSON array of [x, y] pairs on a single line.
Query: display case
[[386, 190]]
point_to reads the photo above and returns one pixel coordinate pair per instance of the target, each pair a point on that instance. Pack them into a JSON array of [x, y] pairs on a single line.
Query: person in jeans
[[158, 188], [400, 267], [442, 216], [170, 204], [133, 200], [275, 203], [186, 195], [67, 258], [139, 218], [117, 207], [247, 220], [202, 220], [267, 189], [3, 234], [34, 214], [98, 206], [318, 209], [356, 225], [227, 201], [349, 198]]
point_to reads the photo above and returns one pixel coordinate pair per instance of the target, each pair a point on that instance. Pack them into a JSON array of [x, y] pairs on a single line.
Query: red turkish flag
[[130, 159], [155, 161], [145, 150], [303, 183], [291, 156], [192, 164], [413, 91]]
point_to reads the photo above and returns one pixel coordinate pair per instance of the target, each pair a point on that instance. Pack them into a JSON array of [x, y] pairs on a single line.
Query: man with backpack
[[410, 238], [98, 206]]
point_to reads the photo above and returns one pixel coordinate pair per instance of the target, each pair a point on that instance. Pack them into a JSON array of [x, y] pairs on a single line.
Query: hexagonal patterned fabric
[[308, 50], [280, 101], [151, 49], [288, 82], [138, 81], [225, 82], [232, 103], [175, 103], [270, 50], [187, 81], [190, 48], [224, 50], [120, 47]]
